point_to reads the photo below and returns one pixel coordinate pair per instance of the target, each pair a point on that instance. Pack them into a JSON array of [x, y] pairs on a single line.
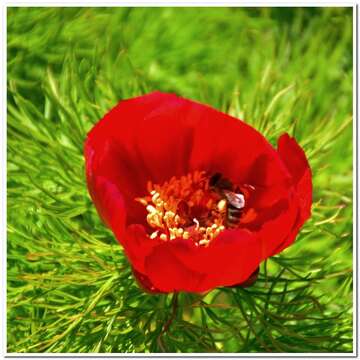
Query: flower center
[[196, 206]]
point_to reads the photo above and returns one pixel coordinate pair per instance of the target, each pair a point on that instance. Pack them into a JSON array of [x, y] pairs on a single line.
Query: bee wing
[[236, 200]]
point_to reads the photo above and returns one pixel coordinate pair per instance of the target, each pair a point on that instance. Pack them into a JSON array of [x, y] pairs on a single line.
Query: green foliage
[[70, 288]]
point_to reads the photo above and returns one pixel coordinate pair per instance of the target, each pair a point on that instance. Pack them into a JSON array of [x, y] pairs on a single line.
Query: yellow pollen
[[185, 208], [151, 209], [204, 242], [155, 197], [221, 205], [154, 235]]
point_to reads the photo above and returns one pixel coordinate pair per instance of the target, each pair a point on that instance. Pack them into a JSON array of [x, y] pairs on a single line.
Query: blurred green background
[[70, 288]]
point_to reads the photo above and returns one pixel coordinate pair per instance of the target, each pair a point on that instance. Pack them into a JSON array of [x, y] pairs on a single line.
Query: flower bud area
[[185, 207]]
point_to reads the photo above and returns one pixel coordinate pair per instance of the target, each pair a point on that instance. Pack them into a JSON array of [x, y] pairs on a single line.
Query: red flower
[[197, 198]]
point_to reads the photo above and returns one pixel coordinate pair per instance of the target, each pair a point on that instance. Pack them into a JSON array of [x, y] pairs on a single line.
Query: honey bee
[[235, 200]]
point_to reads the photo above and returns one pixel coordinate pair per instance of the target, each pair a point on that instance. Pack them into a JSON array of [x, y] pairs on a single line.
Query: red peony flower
[[197, 198]]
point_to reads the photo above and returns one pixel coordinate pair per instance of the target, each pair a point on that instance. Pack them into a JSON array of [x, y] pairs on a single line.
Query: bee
[[235, 201]]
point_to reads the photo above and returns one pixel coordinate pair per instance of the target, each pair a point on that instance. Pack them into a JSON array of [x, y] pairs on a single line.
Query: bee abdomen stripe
[[234, 214], [233, 218]]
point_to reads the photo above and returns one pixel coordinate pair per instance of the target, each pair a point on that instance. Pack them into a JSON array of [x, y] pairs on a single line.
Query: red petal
[[169, 274], [295, 160], [250, 281], [113, 165], [293, 157], [145, 283], [228, 145], [138, 245], [279, 233], [109, 203], [111, 154], [125, 118], [155, 267], [229, 259], [275, 232]]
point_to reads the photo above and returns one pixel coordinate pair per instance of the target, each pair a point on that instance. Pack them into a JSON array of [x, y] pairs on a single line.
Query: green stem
[[174, 305]]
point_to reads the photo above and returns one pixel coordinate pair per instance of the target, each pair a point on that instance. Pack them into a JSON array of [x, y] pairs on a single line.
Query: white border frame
[[184, 3]]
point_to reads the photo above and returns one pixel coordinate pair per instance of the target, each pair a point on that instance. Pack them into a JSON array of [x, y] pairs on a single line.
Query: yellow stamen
[[151, 209], [142, 201], [197, 225], [185, 208], [154, 235], [204, 242], [221, 205], [155, 196]]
